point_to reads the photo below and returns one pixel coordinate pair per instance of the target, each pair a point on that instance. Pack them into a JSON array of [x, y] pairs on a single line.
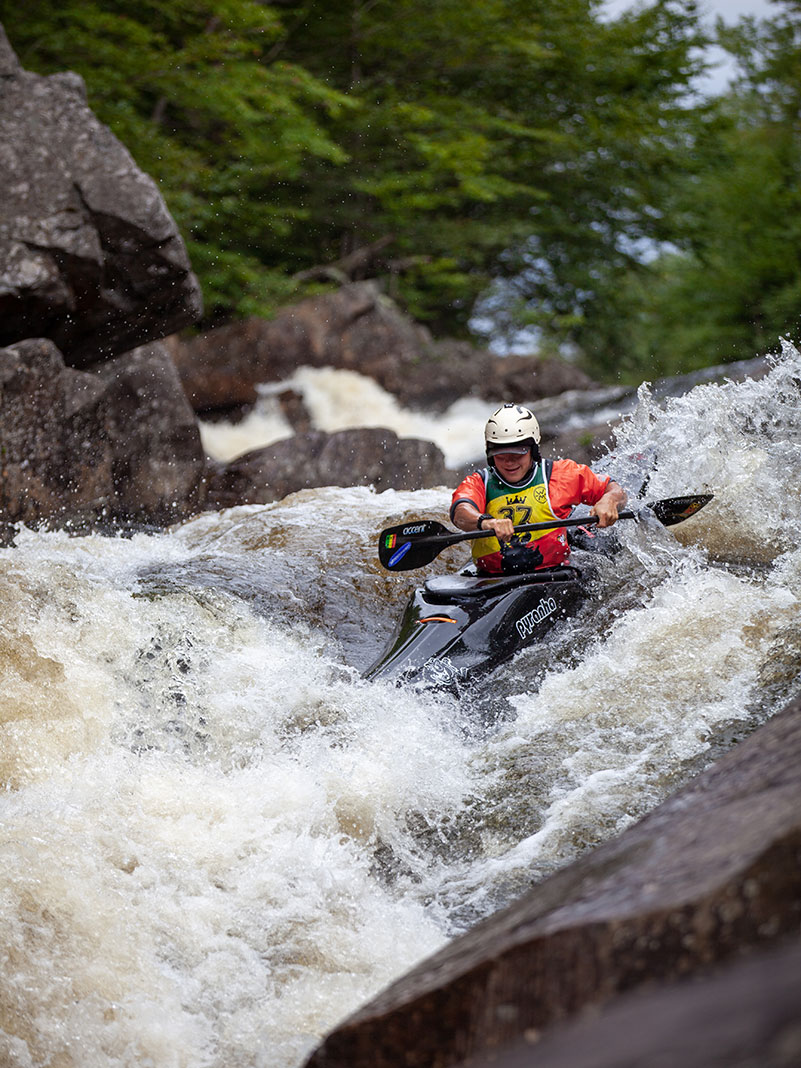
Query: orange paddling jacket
[[551, 491]]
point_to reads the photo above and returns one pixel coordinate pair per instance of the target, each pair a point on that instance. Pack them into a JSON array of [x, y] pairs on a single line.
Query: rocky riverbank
[[358, 328]]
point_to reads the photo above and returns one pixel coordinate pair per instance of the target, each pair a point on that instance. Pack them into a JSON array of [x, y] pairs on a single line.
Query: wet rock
[[454, 369], [295, 411], [343, 329], [746, 1016], [89, 255], [357, 328], [713, 873], [368, 457], [86, 448]]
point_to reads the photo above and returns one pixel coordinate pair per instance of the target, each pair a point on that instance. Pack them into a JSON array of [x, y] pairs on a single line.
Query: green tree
[[441, 146], [516, 139], [735, 288]]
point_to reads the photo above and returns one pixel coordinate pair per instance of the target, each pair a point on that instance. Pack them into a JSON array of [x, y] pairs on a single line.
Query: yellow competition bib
[[522, 504]]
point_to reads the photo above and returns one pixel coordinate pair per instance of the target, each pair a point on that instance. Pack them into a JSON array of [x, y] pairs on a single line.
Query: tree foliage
[[520, 139], [529, 154], [734, 287], [480, 136]]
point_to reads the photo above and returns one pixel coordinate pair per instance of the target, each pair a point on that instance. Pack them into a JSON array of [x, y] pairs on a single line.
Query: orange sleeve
[[573, 484], [472, 490]]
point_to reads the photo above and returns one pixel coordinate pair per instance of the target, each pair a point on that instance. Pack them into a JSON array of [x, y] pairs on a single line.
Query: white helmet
[[512, 424]]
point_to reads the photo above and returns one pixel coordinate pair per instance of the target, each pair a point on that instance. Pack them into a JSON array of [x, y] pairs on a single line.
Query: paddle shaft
[[467, 535], [408, 548], [419, 542]]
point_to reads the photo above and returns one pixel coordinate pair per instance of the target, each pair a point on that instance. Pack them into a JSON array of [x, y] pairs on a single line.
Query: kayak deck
[[456, 627], [463, 585]]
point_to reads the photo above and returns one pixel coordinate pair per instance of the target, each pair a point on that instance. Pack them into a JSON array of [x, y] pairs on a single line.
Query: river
[[217, 839]]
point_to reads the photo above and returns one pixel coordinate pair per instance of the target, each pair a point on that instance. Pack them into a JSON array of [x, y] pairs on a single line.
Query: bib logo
[[540, 496], [526, 625]]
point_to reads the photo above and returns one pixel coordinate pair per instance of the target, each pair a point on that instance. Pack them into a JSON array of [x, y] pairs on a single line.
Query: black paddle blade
[[405, 547], [674, 510]]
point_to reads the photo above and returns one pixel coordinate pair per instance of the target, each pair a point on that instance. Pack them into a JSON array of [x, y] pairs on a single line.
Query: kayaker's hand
[[502, 527], [607, 508], [466, 517]]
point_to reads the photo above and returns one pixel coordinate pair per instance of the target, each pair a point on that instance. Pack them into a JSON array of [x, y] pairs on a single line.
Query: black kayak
[[458, 626]]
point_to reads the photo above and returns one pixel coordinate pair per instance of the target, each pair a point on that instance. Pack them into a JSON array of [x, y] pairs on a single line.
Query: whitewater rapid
[[216, 839], [341, 400]]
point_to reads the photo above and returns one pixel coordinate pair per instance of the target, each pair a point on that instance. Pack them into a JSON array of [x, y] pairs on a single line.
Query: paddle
[[415, 544]]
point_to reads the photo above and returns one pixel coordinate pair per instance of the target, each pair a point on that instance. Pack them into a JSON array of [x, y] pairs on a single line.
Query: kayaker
[[519, 487]]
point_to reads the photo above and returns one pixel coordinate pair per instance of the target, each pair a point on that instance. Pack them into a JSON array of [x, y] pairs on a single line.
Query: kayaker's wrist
[[481, 518]]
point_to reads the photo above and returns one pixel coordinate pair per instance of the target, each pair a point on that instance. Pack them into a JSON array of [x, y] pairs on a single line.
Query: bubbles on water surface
[[737, 439]]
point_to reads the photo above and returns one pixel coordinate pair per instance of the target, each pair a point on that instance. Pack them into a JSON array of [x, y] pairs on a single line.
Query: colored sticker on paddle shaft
[[399, 553], [691, 509], [390, 540]]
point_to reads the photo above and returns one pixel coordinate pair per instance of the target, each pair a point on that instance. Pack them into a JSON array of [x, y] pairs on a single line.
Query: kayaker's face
[[512, 466]]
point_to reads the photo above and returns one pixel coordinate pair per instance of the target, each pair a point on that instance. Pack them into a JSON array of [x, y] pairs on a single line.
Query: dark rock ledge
[[118, 448], [358, 328], [709, 880]]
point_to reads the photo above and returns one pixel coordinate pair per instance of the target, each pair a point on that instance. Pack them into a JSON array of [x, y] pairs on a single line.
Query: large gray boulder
[[87, 449], [712, 874], [89, 255]]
